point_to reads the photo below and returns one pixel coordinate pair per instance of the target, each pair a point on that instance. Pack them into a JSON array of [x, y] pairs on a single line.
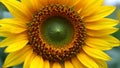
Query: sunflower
[[58, 33]]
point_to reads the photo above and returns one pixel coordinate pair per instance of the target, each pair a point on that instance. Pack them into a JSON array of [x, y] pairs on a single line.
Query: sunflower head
[[58, 33]]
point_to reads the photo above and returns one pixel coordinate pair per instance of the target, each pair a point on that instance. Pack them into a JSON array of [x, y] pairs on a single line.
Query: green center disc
[[57, 31]]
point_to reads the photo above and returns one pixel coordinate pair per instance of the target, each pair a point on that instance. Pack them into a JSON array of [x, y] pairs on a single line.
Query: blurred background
[[114, 53]]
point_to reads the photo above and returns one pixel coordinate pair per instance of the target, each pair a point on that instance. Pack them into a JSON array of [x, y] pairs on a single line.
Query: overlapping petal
[[28, 60], [17, 57], [102, 32], [15, 38], [46, 64], [101, 24], [88, 6], [98, 43], [76, 63], [86, 60], [95, 53], [56, 65], [37, 62], [17, 9], [102, 12], [68, 64], [101, 63]]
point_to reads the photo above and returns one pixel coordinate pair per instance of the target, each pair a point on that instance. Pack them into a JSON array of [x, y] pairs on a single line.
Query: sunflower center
[[56, 33]]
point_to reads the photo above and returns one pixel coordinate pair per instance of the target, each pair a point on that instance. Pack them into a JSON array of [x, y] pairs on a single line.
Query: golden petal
[[95, 53], [101, 24], [102, 12], [56, 65], [28, 60], [101, 63], [86, 60], [76, 63], [17, 9], [46, 64], [102, 32], [98, 43], [12, 39], [68, 64], [37, 62], [17, 57]]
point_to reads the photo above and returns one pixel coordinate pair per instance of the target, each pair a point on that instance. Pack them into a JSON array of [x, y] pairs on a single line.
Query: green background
[[114, 53]]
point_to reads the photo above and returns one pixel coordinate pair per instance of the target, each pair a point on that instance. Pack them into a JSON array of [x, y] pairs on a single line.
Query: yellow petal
[[28, 60], [10, 25], [71, 3], [101, 63], [17, 57], [16, 46], [13, 22], [11, 28], [13, 39], [5, 34], [46, 64], [28, 4], [101, 24], [96, 53], [37, 62], [64, 2], [68, 64], [78, 5], [7, 41], [103, 32], [86, 60], [100, 13], [112, 40], [17, 9], [56, 65], [76, 63], [54, 1], [98, 43], [36, 4], [92, 5]]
